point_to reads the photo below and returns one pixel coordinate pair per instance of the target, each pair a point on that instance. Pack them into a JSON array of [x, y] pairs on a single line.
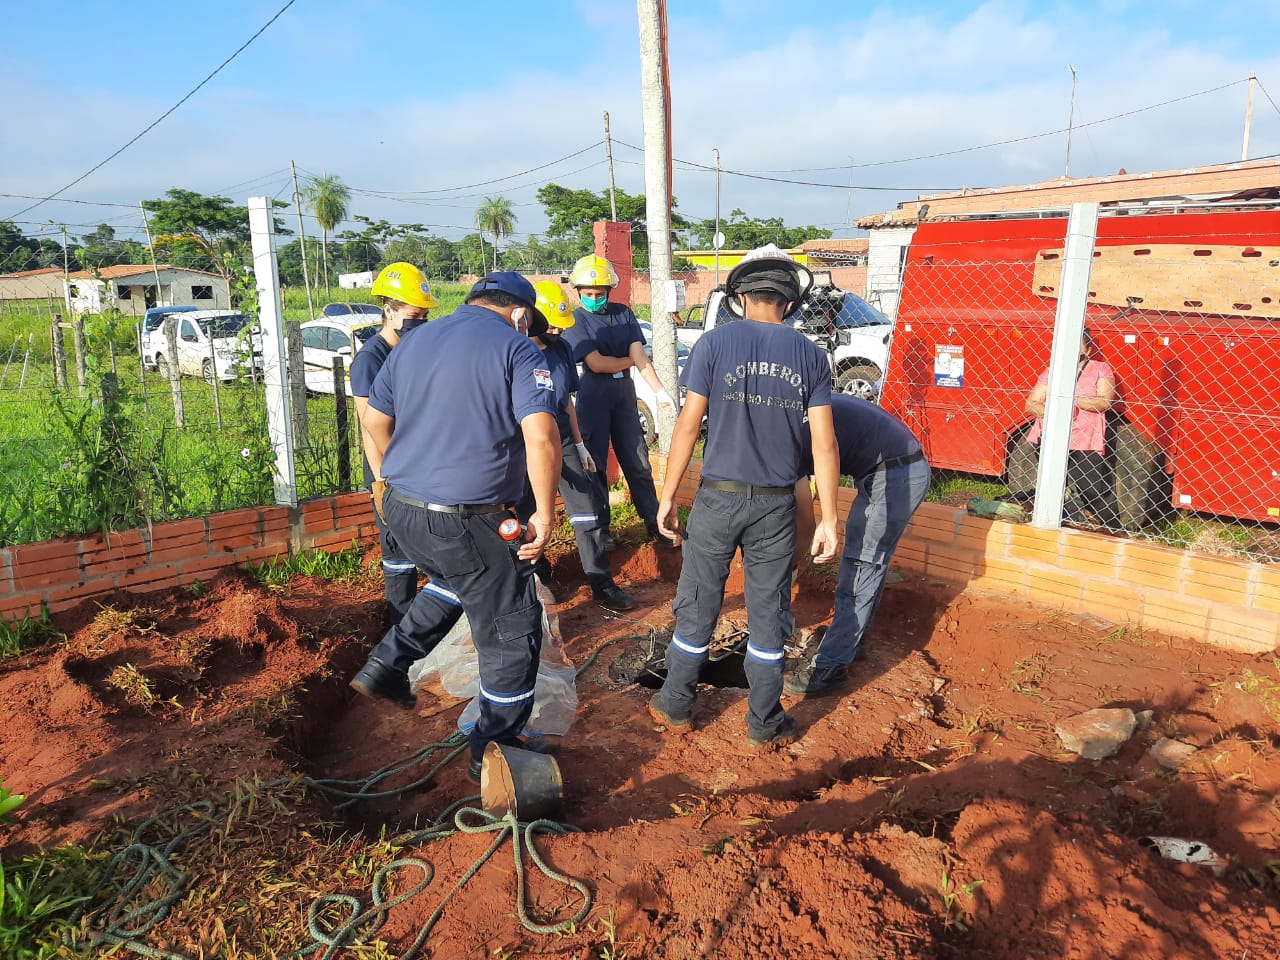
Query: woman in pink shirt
[[1090, 496]]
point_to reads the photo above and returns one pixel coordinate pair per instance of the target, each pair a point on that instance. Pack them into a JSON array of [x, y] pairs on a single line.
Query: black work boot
[[613, 597], [812, 680], [381, 682]]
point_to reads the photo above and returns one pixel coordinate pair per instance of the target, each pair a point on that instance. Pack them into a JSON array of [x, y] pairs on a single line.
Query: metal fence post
[[1068, 327], [275, 373]]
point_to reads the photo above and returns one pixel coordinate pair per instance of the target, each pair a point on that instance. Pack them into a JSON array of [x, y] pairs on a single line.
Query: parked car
[[646, 399], [211, 343], [334, 336], [854, 333], [349, 309], [153, 320]]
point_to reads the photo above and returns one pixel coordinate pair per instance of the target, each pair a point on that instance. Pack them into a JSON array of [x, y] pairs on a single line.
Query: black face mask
[[408, 323]]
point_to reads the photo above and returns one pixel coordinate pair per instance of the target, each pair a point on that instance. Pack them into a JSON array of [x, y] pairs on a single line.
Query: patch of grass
[[950, 487], [38, 897], [345, 566], [26, 633], [1265, 689]]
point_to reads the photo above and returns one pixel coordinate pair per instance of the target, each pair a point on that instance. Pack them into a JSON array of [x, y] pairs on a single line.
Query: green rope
[[116, 922], [364, 789], [360, 927]]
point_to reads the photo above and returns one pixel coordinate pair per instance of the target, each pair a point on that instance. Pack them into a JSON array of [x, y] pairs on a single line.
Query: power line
[[998, 143], [162, 116], [1268, 96], [483, 183]]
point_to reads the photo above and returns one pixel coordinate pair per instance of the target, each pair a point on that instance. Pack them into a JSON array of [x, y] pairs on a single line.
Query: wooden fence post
[[81, 347], [175, 375], [59, 354], [343, 428], [297, 382]]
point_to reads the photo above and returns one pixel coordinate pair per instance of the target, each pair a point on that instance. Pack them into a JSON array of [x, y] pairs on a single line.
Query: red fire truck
[[1183, 305]]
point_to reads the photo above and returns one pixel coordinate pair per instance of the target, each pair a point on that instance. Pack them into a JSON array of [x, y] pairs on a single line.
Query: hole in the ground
[[643, 663]]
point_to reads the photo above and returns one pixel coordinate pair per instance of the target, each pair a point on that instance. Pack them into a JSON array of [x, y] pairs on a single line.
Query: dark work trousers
[[399, 574], [719, 523], [1090, 486], [465, 556], [579, 493], [886, 499], [607, 413]]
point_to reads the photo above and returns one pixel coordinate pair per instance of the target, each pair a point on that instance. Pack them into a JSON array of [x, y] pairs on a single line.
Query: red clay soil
[[929, 811]]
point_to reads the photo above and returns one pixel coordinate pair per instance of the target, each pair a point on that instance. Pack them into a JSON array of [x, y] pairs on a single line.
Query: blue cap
[[509, 282]]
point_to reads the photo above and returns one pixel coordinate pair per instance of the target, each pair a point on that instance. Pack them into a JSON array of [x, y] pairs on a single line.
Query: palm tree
[[328, 197], [495, 217]]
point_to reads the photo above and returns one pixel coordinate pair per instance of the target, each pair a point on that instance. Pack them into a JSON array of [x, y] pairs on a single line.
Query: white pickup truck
[[853, 332]]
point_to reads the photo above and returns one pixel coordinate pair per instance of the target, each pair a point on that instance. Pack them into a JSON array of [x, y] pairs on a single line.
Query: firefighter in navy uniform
[[577, 485], [892, 477], [766, 393], [607, 340], [460, 411], [407, 302]]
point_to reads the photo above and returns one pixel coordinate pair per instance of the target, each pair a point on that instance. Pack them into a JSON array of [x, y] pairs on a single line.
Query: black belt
[[901, 461], [746, 489], [465, 509]]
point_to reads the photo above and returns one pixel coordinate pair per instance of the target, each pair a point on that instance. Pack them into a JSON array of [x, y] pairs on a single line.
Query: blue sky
[[407, 101]]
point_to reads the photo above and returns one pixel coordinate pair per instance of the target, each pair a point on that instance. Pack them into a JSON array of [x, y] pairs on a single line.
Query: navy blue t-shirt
[[364, 370], [458, 388], [610, 333], [760, 379], [867, 435], [564, 377]]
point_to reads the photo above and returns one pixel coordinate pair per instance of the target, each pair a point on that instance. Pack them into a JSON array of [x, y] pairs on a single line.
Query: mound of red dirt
[[928, 811]]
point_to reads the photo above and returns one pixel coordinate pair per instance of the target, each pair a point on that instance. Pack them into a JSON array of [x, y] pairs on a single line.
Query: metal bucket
[[526, 783]]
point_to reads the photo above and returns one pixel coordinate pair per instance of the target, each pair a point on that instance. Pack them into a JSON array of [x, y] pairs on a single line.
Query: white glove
[[665, 398], [587, 462]]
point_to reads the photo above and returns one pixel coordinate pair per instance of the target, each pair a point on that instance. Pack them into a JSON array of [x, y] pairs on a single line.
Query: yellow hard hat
[[553, 304], [593, 271], [406, 283]]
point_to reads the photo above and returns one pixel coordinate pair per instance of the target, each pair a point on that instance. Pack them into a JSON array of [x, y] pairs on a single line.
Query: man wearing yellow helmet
[[407, 301], [577, 485], [607, 341]]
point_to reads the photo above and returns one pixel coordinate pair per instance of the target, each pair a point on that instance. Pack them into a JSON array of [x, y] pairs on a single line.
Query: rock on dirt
[[1097, 734], [1171, 754]]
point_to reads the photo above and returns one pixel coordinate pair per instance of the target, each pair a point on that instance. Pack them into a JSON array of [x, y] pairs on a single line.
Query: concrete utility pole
[[1071, 119], [716, 240], [655, 100], [608, 153], [302, 241], [1248, 116]]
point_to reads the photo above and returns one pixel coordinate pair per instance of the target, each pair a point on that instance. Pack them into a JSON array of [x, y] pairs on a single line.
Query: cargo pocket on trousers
[[519, 624], [689, 616]]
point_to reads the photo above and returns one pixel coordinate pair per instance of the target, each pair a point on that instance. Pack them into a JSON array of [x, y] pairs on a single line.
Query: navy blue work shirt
[[610, 333], [564, 379], [868, 436], [364, 370], [760, 379], [458, 388]]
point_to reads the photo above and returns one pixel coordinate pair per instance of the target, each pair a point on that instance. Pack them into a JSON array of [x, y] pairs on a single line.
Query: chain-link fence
[[1172, 430], [105, 425]]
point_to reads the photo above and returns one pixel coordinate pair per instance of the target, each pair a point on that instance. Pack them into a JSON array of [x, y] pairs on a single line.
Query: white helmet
[[767, 268]]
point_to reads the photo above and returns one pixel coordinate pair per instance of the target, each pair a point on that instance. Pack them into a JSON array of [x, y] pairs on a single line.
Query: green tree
[[496, 218], [571, 214], [328, 198], [190, 229], [101, 249], [746, 233]]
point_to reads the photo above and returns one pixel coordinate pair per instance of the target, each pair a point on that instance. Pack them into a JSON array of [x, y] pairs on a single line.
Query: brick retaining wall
[[1224, 601], [61, 573]]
